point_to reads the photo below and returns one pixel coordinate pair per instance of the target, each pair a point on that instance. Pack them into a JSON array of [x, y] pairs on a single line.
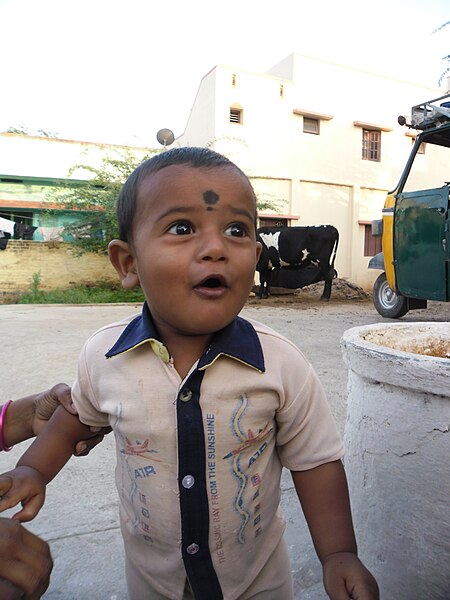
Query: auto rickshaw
[[415, 228]]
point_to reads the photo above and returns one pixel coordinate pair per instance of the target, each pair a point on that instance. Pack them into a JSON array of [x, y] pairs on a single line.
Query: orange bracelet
[[3, 446]]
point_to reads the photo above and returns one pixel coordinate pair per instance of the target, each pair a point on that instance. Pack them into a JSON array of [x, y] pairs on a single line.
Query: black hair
[[192, 156]]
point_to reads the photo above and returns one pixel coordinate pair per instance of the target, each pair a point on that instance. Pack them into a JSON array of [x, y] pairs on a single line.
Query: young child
[[206, 406]]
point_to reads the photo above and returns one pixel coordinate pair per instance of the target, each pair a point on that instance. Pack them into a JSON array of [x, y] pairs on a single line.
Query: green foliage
[[446, 58], [96, 200], [100, 292], [95, 195], [269, 202], [22, 130], [34, 294]]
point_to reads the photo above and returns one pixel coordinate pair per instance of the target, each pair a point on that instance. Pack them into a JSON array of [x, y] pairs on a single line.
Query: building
[[320, 142], [33, 239], [318, 138]]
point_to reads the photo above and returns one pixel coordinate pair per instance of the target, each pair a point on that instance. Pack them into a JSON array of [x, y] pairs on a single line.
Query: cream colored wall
[[322, 177], [201, 122], [276, 191], [57, 266]]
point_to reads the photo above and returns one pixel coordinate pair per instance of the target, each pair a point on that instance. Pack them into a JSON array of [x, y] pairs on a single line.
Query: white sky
[[119, 70]]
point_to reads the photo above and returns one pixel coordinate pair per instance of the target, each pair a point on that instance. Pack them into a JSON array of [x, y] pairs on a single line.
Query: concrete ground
[[40, 347]]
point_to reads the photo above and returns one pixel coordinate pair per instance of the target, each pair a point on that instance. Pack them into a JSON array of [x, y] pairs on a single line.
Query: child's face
[[193, 248]]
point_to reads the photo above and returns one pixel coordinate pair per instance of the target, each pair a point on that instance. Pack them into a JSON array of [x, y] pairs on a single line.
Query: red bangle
[[3, 446]]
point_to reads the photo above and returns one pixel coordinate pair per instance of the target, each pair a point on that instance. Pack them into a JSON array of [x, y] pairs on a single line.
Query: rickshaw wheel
[[386, 301]]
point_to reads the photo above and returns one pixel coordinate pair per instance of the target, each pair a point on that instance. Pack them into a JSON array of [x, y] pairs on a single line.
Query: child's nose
[[212, 247]]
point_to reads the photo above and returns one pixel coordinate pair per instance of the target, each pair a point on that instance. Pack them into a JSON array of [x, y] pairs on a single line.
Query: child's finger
[[6, 483], [9, 500], [30, 509]]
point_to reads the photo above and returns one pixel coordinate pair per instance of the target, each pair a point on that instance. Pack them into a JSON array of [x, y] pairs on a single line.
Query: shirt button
[[185, 395], [192, 549], [188, 481]]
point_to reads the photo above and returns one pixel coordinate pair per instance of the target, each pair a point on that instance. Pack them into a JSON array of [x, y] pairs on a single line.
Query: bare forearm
[[55, 444], [323, 494], [19, 421]]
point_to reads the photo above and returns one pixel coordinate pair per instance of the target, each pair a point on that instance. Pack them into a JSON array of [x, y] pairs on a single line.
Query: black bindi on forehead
[[210, 198]]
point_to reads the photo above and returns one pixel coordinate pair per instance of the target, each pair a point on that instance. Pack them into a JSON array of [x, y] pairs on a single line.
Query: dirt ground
[[341, 290], [79, 519]]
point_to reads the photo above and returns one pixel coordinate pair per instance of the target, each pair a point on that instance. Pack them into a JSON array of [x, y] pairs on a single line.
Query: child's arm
[[41, 463], [323, 494]]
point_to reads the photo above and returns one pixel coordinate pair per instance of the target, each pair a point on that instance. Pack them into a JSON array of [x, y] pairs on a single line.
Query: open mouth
[[213, 282]]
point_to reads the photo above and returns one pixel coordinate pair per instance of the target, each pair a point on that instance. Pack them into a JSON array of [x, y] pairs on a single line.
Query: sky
[[117, 71]]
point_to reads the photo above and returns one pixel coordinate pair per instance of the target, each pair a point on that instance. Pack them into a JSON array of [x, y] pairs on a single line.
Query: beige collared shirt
[[257, 416]]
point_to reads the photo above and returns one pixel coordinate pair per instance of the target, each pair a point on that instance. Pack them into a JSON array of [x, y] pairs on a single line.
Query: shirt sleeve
[[307, 435], [83, 396]]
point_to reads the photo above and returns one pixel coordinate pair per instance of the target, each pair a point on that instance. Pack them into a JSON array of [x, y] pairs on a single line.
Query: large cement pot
[[398, 455]]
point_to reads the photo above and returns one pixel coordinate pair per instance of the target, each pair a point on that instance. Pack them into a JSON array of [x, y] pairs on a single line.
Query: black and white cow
[[294, 257]]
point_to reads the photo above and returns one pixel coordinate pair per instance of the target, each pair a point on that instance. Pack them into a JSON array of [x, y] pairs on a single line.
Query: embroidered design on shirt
[[138, 449], [247, 441], [133, 456], [251, 440]]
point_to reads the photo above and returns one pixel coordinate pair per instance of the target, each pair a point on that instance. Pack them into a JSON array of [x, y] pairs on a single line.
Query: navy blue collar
[[237, 340]]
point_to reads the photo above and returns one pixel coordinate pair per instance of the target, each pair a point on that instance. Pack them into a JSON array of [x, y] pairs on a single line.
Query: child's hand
[[25, 485], [344, 577]]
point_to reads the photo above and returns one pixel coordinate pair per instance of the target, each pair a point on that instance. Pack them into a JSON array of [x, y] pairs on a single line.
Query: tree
[[22, 130], [446, 58], [95, 198]]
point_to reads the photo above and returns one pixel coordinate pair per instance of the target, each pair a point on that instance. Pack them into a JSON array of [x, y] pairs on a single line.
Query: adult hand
[[45, 404], [25, 563]]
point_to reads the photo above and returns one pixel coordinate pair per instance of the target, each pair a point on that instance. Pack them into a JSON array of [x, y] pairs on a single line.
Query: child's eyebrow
[[243, 212], [175, 210]]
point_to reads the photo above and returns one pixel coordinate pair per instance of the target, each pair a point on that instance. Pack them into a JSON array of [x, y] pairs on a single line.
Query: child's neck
[[185, 350]]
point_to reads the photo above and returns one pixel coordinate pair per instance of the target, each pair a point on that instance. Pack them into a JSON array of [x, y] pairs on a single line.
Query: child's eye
[[180, 229], [236, 230]]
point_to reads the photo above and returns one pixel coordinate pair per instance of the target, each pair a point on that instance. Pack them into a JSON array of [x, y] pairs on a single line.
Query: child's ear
[[122, 259]]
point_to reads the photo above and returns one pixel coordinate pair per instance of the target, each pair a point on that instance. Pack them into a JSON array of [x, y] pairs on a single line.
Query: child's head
[[190, 156], [187, 228]]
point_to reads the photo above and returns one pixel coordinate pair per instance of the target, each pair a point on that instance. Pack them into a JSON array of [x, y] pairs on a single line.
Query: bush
[[101, 292]]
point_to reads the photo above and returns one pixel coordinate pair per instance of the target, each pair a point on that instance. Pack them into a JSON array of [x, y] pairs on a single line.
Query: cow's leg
[[264, 287], [262, 290], [328, 281]]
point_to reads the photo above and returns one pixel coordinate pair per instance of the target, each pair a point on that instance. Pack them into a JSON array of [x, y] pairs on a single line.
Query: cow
[[294, 257]]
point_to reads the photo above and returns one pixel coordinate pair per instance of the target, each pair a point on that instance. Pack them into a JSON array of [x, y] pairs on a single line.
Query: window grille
[[272, 222], [311, 125], [371, 145], [372, 244], [235, 115]]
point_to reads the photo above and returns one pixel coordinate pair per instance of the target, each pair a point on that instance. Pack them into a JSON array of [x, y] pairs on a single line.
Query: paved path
[[40, 347]]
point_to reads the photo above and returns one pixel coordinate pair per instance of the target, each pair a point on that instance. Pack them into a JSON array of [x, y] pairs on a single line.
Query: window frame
[[371, 148], [372, 244], [315, 130], [239, 112]]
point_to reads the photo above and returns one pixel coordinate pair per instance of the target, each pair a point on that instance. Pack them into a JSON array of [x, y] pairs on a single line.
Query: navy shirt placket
[[194, 504]]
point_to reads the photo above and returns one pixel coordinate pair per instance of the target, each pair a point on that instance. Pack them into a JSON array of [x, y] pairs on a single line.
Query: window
[[236, 115], [371, 144], [233, 80], [281, 90], [372, 245], [311, 125], [272, 222]]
